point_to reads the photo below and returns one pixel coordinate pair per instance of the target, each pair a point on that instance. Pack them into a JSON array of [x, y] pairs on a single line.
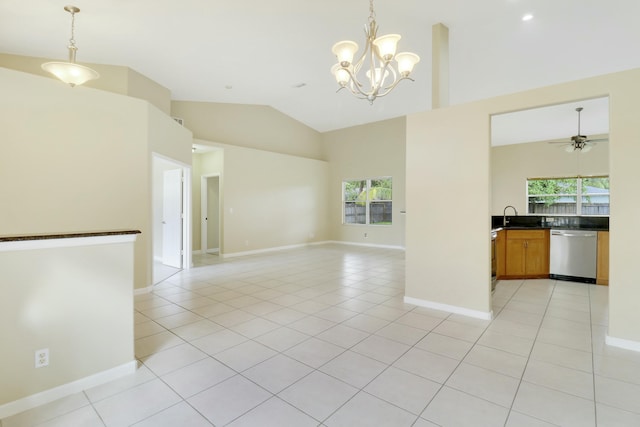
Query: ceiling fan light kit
[[381, 75], [70, 72], [580, 143]]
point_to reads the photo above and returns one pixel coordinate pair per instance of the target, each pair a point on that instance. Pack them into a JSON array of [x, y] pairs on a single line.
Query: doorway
[[170, 205], [210, 214]]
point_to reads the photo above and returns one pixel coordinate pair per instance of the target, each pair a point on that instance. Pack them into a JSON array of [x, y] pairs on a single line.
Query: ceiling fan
[[579, 142]]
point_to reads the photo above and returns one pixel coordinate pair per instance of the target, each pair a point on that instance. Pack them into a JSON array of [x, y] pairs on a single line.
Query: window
[[568, 196], [367, 201]]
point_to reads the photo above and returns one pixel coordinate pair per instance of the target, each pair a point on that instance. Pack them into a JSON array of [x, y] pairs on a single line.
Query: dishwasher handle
[[570, 234]]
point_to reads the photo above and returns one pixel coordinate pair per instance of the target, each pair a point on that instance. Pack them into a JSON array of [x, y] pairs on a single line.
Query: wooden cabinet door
[[527, 253], [516, 257], [536, 256], [602, 266]]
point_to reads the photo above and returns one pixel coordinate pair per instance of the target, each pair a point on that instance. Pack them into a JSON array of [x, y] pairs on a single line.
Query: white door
[[172, 218]]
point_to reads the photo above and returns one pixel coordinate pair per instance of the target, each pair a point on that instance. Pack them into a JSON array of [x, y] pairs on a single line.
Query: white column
[[440, 66]]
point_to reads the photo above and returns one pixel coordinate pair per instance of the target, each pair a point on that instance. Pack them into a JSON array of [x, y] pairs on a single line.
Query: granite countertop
[[533, 222], [546, 227], [18, 238]]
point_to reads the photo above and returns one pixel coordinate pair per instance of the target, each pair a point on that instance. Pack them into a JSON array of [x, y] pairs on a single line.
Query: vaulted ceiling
[[278, 52]]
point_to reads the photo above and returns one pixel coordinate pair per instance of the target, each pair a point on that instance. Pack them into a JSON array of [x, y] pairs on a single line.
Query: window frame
[[578, 195], [367, 191]]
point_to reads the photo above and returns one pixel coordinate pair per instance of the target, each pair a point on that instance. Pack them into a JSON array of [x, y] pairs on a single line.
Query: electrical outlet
[[42, 358]]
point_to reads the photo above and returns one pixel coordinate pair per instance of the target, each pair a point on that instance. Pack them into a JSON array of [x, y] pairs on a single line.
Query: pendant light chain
[[72, 40]]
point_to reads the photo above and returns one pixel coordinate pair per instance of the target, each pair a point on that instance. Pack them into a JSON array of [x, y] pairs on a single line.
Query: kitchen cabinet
[[602, 264], [526, 254]]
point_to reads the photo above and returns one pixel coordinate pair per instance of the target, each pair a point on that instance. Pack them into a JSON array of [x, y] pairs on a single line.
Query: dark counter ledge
[[550, 221], [67, 235]]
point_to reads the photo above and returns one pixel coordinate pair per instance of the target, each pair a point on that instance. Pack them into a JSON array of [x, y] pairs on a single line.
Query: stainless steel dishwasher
[[572, 255]]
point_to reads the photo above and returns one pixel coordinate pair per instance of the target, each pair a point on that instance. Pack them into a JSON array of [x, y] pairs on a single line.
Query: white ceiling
[[555, 122], [265, 49]]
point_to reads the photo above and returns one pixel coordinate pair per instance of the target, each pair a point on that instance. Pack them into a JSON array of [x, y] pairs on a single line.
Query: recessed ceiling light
[[527, 17]]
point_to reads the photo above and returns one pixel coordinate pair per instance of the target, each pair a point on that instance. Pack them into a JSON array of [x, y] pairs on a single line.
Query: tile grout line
[[277, 352], [530, 351], [593, 363]]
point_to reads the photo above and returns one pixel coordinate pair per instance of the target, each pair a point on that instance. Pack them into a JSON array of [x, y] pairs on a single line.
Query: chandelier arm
[[392, 86], [355, 87]]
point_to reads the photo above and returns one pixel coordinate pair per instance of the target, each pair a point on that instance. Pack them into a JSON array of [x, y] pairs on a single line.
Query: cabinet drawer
[[526, 234]]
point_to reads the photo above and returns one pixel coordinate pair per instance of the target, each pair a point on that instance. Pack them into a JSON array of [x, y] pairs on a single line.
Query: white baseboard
[[369, 245], [622, 343], [142, 291], [47, 396], [266, 250], [450, 308], [302, 245]]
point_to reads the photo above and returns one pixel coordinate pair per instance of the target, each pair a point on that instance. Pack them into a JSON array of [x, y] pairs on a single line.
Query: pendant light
[[378, 70], [70, 72]]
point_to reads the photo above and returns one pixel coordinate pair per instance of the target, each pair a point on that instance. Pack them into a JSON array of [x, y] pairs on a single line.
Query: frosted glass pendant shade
[[406, 61], [341, 75], [71, 73], [344, 51], [387, 45]]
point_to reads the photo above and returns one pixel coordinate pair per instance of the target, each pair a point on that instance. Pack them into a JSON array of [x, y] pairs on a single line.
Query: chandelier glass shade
[[378, 70], [70, 72]]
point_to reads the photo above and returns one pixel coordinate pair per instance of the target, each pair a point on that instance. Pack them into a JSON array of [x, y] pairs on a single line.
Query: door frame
[[186, 208], [204, 205]]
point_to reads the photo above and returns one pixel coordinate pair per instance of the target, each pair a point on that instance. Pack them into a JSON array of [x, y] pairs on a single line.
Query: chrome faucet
[[504, 214]]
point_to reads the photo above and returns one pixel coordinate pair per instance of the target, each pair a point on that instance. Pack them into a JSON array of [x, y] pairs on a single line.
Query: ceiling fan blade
[[560, 141], [598, 140]]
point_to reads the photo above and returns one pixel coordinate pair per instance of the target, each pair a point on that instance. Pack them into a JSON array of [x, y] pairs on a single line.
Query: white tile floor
[[321, 337]]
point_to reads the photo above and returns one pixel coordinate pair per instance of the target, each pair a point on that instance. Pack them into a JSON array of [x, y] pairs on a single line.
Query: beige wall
[[447, 245], [142, 87], [448, 159], [512, 165], [80, 160], [75, 301], [250, 126], [367, 151], [269, 200], [117, 79], [208, 163]]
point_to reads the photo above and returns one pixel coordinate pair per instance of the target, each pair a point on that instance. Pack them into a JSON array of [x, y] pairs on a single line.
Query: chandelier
[[70, 72], [381, 75]]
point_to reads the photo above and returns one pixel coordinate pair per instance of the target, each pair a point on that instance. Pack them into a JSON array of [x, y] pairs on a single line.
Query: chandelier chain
[[372, 13]]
